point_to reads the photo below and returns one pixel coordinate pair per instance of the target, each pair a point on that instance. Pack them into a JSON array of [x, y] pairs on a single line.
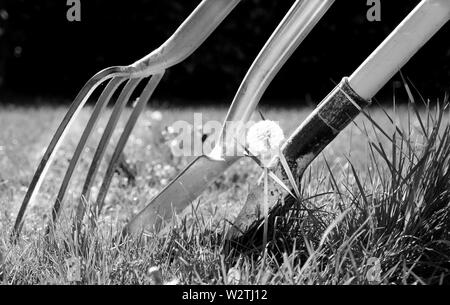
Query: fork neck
[[187, 38]]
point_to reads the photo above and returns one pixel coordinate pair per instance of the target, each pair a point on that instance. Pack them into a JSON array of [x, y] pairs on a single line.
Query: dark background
[[44, 55]]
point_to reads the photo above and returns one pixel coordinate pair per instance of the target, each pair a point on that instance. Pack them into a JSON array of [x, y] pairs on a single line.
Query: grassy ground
[[383, 213]]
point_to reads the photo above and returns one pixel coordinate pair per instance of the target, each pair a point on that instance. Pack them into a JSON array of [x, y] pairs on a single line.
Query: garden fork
[[194, 179], [186, 39]]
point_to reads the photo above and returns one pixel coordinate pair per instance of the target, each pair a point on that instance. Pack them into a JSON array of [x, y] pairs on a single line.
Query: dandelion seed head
[[264, 139]]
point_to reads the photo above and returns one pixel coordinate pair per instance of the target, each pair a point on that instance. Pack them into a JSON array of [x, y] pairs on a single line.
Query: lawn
[[369, 183]]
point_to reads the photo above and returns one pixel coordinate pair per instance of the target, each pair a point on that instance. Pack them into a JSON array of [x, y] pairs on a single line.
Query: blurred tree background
[[43, 54]]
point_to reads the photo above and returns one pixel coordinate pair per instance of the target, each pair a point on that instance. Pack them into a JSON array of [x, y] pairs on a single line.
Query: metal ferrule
[[331, 116]]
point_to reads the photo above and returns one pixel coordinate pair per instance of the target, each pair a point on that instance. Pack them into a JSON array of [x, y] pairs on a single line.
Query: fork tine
[[104, 141], [57, 139], [143, 100], [99, 107]]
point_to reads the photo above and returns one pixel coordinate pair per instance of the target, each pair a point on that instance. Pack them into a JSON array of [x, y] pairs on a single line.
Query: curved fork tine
[[49, 154], [104, 141], [98, 109], [143, 100]]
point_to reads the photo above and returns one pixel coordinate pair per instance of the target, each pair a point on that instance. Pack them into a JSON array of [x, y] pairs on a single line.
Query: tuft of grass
[[389, 224]]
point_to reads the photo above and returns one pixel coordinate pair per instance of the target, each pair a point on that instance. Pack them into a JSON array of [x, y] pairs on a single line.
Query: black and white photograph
[[240, 145]]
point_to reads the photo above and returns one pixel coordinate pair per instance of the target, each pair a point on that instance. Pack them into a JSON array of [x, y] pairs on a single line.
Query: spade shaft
[[293, 29]]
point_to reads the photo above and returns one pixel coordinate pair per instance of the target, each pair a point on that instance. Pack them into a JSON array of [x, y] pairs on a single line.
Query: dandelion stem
[[266, 207]]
